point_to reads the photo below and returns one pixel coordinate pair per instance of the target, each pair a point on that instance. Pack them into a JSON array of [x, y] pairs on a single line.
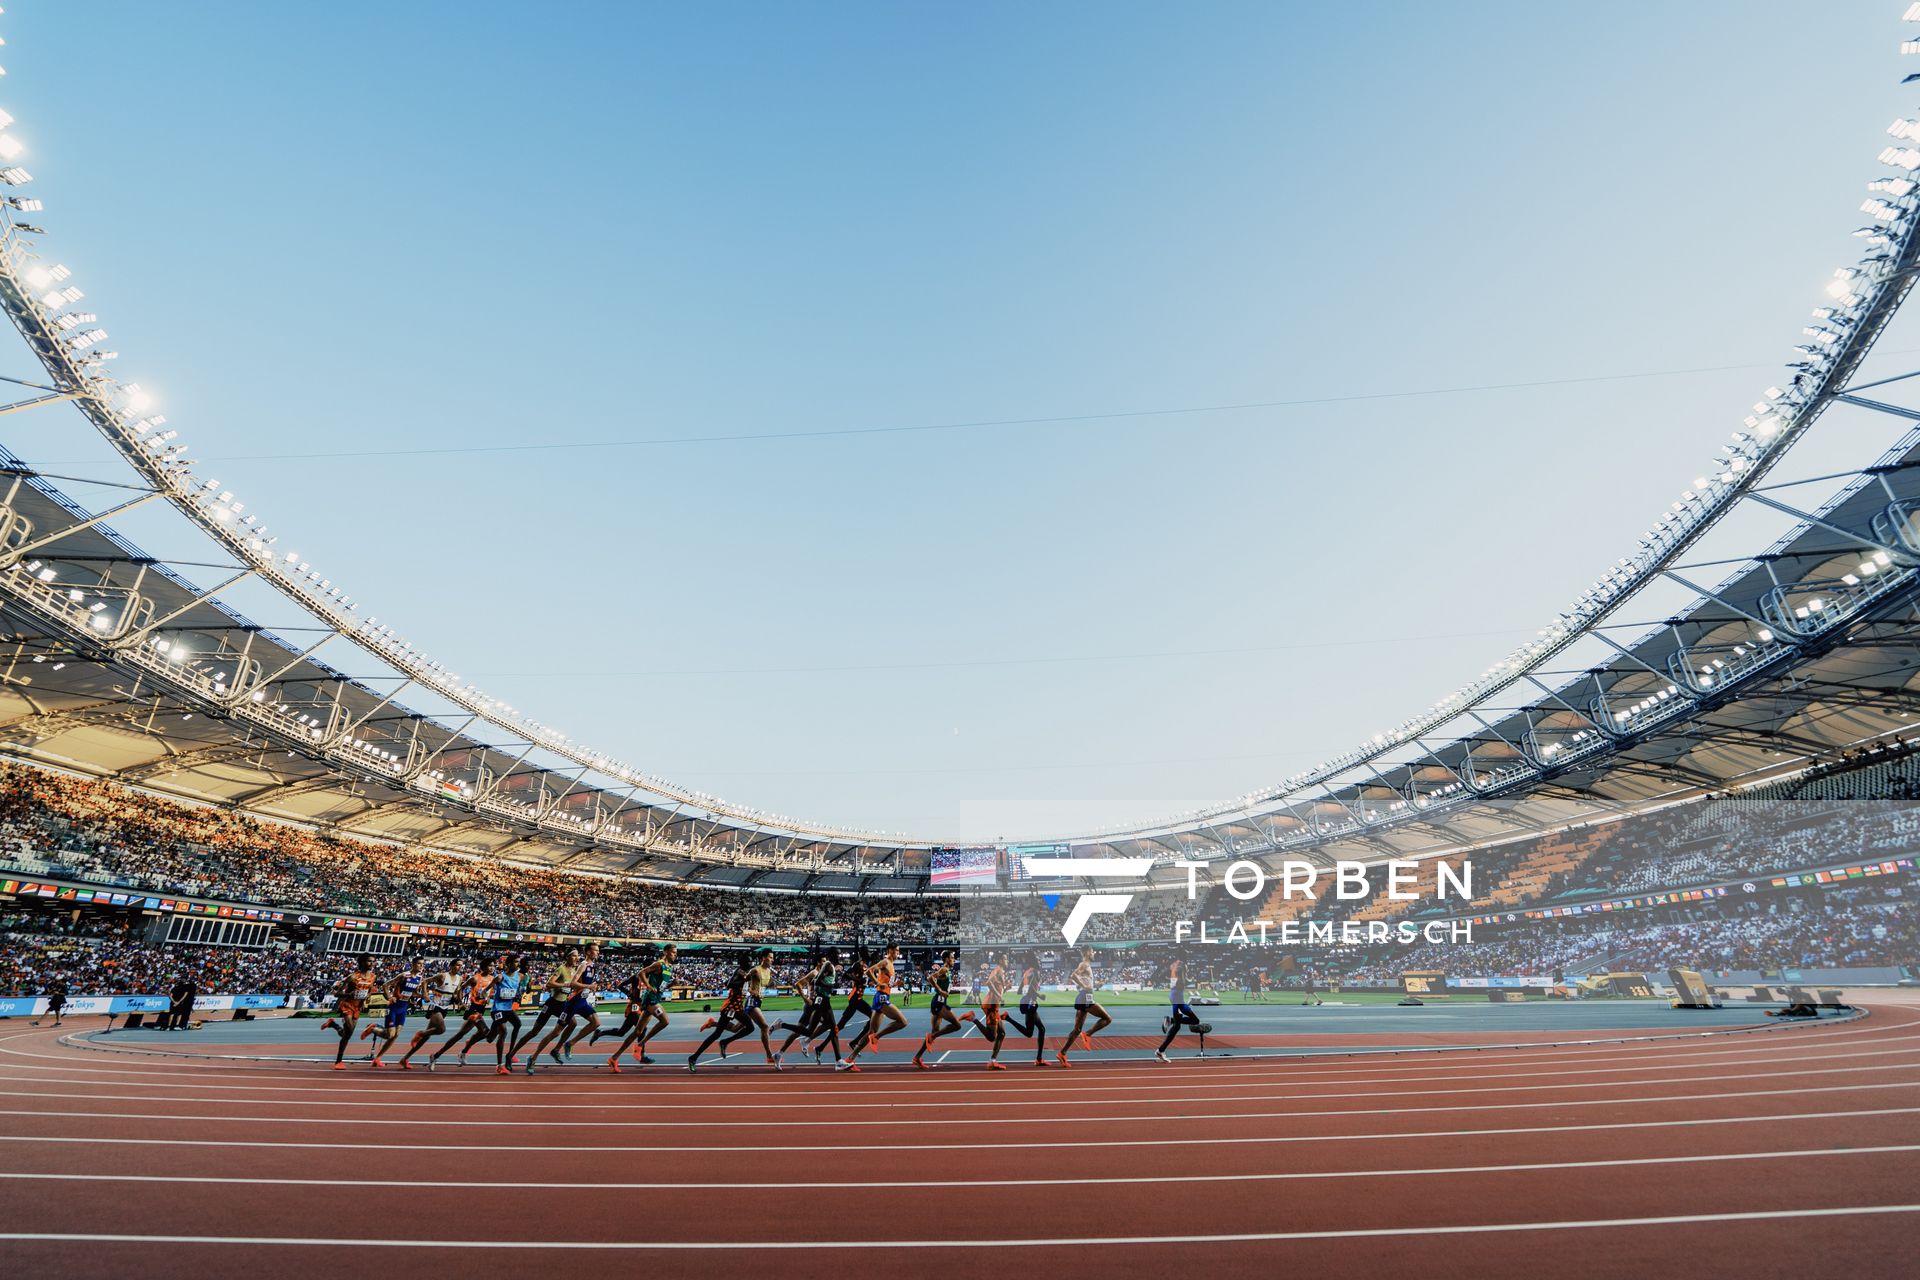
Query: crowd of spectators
[[1817, 931], [103, 831]]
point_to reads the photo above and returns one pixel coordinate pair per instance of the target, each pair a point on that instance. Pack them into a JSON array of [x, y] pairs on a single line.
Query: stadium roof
[[1772, 655]]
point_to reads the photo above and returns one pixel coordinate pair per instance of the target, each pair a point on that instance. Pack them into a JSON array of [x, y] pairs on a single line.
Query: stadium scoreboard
[[1019, 856]]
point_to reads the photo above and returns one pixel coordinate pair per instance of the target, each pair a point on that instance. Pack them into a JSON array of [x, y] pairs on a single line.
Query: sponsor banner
[[33, 1006]]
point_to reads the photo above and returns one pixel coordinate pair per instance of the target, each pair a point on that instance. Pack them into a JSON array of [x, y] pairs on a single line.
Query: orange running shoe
[[502, 1070], [1086, 1042], [996, 1065], [377, 1064], [613, 1064], [339, 1066], [708, 1025], [406, 1066], [1061, 1058]]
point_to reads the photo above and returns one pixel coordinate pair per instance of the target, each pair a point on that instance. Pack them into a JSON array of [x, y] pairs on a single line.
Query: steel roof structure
[[133, 666]]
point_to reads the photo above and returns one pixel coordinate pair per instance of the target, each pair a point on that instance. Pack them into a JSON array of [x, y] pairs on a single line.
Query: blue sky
[[354, 229]]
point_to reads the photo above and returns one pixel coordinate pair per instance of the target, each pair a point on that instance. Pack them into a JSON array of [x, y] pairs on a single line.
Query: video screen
[[965, 866]]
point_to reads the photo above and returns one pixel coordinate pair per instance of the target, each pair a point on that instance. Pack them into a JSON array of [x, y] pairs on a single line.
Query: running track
[[1793, 1151]]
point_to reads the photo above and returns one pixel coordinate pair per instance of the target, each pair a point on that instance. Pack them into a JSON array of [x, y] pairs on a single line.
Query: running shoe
[[1086, 1042], [613, 1064], [503, 1070], [1161, 1056], [377, 1064], [994, 1064], [339, 1066]]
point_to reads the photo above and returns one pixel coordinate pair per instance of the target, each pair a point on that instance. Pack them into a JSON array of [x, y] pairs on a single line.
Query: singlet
[[479, 986], [410, 984], [658, 982], [757, 978], [560, 983], [1030, 992], [942, 981], [444, 986], [507, 990], [823, 981], [363, 984], [883, 985]]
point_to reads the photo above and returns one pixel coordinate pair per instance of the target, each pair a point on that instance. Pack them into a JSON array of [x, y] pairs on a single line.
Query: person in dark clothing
[[180, 1005], [56, 1001]]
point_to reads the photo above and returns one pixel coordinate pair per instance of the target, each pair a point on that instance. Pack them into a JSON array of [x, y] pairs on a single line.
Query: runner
[[732, 1011], [1182, 1014], [882, 974], [816, 1020], [401, 990], [1030, 1024], [940, 984], [759, 978], [582, 1015], [442, 989], [993, 989], [856, 993], [506, 1016], [630, 988], [476, 1006], [1083, 1003], [559, 988], [575, 999], [352, 993], [652, 982]]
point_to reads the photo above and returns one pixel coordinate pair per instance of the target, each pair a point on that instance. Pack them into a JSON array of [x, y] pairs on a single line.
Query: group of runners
[[487, 1000]]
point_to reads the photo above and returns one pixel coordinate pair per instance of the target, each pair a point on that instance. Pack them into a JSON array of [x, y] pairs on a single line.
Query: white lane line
[[949, 1124], [804, 1148], [894, 1184], [841, 1099], [867, 1242], [454, 1081]]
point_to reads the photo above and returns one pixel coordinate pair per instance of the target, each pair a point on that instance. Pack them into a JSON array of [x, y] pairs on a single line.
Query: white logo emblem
[[1089, 905]]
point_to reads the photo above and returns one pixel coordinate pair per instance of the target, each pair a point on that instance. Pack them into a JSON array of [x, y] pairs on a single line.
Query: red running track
[[1790, 1152]]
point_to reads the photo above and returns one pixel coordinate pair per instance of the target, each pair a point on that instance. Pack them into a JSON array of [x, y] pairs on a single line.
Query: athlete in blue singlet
[[401, 992]]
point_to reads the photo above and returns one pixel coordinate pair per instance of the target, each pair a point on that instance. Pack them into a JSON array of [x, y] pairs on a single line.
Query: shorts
[[1181, 1009], [881, 999], [578, 1007], [938, 1006], [1029, 1009], [476, 1011], [753, 1002], [648, 999], [350, 1008], [990, 1012], [397, 1013], [501, 1007], [1081, 999], [556, 1006]]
